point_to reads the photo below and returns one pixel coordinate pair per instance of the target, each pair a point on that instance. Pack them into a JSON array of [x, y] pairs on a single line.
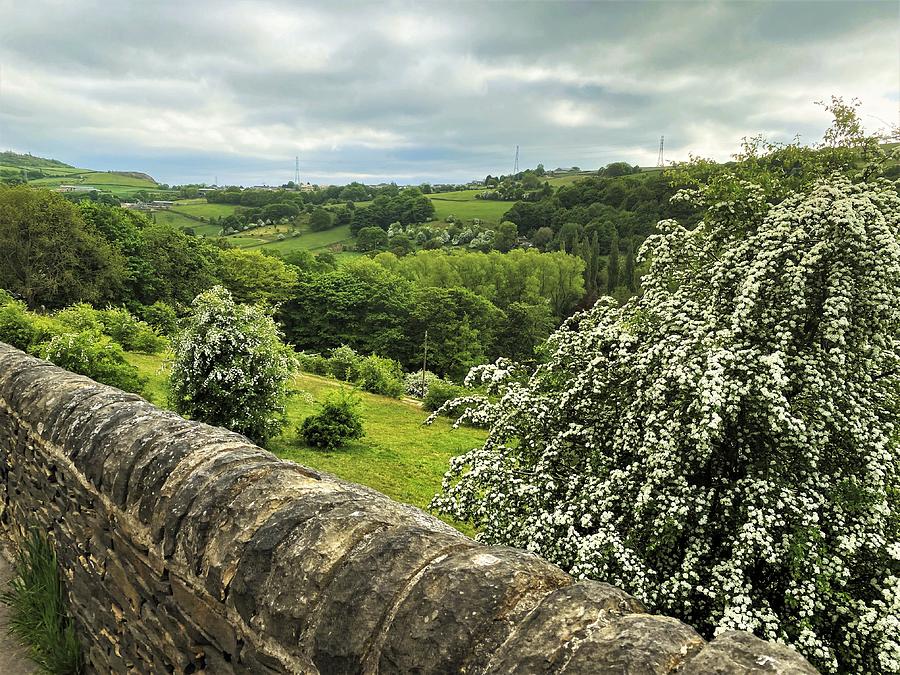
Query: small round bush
[[344, 361], [379, 375], [133, 334], [161, 316], [416, 385], [95, 355], [23, 329], [80, 317], [313, 363], [338, 422]]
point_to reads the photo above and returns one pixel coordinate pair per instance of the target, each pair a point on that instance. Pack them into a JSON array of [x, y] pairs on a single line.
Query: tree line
[[475, 306]]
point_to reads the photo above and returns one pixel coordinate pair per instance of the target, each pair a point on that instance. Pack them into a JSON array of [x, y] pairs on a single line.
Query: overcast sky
[[188, 91]]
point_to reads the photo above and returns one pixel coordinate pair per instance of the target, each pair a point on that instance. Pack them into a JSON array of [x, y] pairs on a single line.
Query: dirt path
[[13, 656]]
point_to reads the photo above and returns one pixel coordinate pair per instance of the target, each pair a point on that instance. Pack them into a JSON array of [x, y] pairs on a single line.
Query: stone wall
[[187, 549]]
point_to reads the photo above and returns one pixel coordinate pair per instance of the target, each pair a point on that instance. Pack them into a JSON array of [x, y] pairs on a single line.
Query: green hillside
[[51, 173], [196, 214]]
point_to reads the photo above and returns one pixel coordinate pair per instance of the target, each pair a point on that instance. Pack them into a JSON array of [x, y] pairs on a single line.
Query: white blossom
[[724, 446]]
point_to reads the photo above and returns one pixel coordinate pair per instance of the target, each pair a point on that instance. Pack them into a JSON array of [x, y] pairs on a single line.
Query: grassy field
[[122, 184], [569, 178], [200, 208], [462, 204], [119, 184], [176, 219], [312, 241], [258, 237], [267, 237], [398, 456]]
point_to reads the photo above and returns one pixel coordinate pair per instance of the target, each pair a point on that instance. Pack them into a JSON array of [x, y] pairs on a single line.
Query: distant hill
[[14, 159], [51, 173]]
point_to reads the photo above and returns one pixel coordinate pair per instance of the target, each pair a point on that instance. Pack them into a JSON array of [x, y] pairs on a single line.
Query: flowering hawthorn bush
[[230, 367], [417, 385], [725, 446]]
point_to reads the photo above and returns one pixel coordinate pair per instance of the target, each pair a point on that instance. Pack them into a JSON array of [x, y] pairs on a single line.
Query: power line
[[660, 161]]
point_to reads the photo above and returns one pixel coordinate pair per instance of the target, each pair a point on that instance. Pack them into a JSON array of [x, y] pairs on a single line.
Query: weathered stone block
[[463, 606], [739, 652]]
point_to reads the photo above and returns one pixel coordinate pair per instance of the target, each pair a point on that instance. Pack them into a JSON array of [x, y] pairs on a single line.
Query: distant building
[[75, 188], [307, 187], [161, 204]]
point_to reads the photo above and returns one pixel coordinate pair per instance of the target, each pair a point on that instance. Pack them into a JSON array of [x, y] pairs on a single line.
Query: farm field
[[398, 456], [267, 237], [175, 219], [262, 237], [568, 179], [49, 173], [203, 209], [117, 183], [462, 204], [50, 169]]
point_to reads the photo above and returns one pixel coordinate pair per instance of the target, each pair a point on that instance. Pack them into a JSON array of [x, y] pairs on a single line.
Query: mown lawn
[[398, 456]]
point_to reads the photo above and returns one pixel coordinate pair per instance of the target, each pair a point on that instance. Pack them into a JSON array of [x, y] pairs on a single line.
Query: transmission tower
[[660, 161], [297, 170], [516, 162]]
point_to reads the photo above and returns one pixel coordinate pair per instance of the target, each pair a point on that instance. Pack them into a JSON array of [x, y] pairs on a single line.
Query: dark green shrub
[[338, 422], [133, 334], [343, 362], [38, 614], [441, 391], [379, 375], [80, 317], [95, 355], [118, 323], [314, 363], [161, 316]]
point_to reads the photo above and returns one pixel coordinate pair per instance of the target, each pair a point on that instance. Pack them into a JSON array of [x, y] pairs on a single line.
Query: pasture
[[464, 205], [200, 208], [568, 178], [175, 219], [120, 184]]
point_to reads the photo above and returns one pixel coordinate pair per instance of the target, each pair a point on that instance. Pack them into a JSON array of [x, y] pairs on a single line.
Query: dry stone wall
[[187, 549]]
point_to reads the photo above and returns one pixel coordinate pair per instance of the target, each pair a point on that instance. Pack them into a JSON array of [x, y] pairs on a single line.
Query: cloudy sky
[[188, 91]]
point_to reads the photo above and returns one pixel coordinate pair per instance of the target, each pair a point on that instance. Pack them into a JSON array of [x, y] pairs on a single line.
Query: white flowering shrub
[[230, 367], [417, 385], [724, 447]]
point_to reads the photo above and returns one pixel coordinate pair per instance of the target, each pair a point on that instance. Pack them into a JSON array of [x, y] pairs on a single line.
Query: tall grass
[[38, 613]]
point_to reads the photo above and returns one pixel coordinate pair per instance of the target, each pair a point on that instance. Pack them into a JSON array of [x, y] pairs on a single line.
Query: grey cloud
[[428, 91]]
